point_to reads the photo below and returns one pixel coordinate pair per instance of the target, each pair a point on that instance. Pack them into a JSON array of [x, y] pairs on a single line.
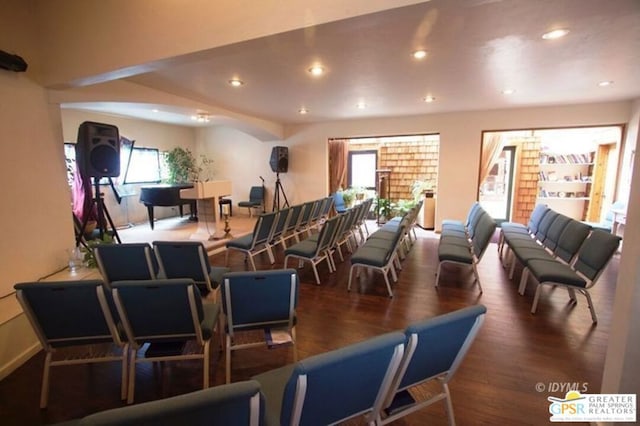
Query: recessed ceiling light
[[361, 105], [316, 70], [554, 34], [303, 111], [605, 83], [508, 91], [155, 110], [236, 82], [419, 54], [429, 99], [201, 118]]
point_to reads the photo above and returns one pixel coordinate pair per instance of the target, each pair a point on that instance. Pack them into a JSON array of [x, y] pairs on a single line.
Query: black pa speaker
[[279, 159], [98, 150], [11, 62]]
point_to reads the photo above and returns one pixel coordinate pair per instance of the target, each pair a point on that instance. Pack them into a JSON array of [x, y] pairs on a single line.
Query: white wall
[[35, 219], [460, 139], [622, 371]]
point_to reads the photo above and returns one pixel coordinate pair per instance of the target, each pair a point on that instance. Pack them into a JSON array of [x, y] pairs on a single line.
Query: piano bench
[[223, 201]]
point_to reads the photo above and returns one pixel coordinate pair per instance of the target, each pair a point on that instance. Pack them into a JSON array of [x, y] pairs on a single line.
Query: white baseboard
[[12, 365]]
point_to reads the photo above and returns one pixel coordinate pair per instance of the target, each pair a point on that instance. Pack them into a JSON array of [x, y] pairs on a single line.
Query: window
[[362, 169], [144, 166]]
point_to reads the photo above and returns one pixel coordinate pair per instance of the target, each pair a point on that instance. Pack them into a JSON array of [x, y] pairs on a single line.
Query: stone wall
[[407, 162], [526, 179]]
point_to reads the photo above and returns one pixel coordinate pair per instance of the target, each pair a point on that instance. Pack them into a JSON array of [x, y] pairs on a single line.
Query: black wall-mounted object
[[279, 161], [98, 150], [12, 62]]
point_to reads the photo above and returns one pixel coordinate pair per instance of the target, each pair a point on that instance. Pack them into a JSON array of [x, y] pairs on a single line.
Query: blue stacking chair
[[127, 261], [256, 242], [256, 199], [334, 386], [69, 314], [434, 351], [166, 314], [235, 404], [262, 300], [188, 259]]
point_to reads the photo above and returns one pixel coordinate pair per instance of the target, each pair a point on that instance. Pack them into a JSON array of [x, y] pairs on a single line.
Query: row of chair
[[384, 248], [155, 320], [276, 228], [465, 242], [371, 378], [557, 250], [163, 259], [345, 229]]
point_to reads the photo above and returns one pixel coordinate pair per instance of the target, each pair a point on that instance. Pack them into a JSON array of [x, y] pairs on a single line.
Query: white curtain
[[492, 145]]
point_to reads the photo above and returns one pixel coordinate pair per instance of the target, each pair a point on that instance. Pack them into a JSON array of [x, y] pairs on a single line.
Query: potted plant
[[183, 166], [347, 197], [420, 187]]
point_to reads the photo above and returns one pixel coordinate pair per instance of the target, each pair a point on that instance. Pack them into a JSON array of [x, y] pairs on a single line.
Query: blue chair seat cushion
[[554, 271], [242, 243], [211, 312], [216, 275], [527, 254], [380, 243], [275, 381], [455, 239], [305, 248], [454, 253], [372, 256], [249, 204], [383, 235]]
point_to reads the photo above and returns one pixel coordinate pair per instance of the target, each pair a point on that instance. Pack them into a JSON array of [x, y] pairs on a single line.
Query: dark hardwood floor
[[496, 384]]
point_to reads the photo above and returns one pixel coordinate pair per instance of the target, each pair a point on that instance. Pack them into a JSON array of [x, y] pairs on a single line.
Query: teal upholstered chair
[[434, 351], [334, 386], [235, 404], [256, 242], [262, 300], [593, 256], [315, 250], [188, 259], [70, 314], [256, 199], [167, 314], [128, 261]]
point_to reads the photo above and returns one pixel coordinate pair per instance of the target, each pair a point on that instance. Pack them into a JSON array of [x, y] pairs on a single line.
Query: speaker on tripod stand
[[97, 157], [279, 163]]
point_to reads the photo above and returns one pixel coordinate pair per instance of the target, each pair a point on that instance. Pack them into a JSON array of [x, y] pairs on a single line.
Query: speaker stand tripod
[[276, 195], [103, 213]]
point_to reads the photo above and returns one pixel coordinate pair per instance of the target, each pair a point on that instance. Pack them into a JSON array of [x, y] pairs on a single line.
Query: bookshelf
[[564, 182]]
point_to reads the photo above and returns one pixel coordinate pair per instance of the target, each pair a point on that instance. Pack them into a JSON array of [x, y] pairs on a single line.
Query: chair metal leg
[[386, 280], [125, 365], [438, 273], [270, 253], [44, 390], [350, 275], [449, 405], [315, 272], [253, 264], [523, 281], [534, 306], [594, 318], [133, 355], [205, 362], [228, 359], [295, 344], [512, 268], [477, 277]]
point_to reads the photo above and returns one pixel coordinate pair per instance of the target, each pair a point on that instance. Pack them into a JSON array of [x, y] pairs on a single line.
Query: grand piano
[[165, 195]]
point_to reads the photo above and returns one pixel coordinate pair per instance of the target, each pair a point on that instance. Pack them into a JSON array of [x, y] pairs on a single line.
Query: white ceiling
[[477, 48]]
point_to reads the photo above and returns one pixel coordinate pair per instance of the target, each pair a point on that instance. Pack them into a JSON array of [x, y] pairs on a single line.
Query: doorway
[[497, 189], [572, 170]]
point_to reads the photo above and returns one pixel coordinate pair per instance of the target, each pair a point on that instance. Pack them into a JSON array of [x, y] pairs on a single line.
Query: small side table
[[223, 201]]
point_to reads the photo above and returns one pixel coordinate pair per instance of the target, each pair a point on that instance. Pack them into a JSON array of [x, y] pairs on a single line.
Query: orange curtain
[[338, 157], [492, 146]]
